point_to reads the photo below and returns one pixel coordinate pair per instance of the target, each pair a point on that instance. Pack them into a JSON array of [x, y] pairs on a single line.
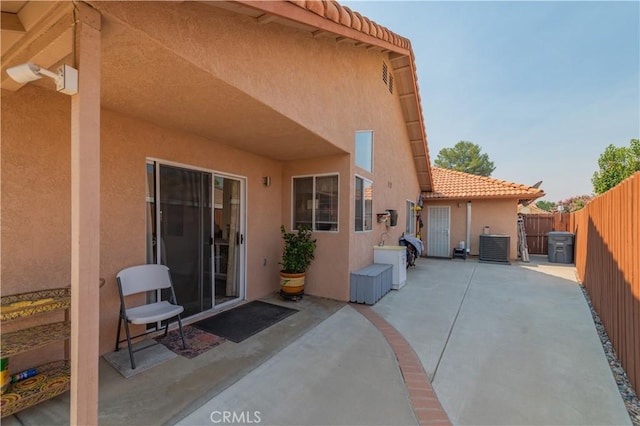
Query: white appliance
[[396, 256]]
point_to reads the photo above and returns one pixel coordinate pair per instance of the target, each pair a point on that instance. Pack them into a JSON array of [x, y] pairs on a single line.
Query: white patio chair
[[141, 279]]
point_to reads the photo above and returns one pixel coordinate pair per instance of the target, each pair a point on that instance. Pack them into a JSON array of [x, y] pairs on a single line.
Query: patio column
[[85, 220]]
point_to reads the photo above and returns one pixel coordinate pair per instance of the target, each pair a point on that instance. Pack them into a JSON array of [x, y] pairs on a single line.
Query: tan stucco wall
[[36, 197], [500, 215], [326, 275], [314, 81], [332, 89], [126, 144], [394, 182], [35, 203], [337, 90]]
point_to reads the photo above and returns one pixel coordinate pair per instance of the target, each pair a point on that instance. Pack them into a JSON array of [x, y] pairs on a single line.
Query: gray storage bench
[[370, 283]]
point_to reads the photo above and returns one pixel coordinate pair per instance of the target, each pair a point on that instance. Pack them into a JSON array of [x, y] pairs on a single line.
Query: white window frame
[[156, 162], [314, 205], [360, 145], [363, 209], [410, 218]]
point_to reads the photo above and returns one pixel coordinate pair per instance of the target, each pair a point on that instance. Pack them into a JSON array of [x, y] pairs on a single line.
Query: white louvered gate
[[438, 240]]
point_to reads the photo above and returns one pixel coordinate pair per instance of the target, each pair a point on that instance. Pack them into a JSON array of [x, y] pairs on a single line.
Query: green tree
[[573, 204], [616, 164], [465, 157], [546, 205]]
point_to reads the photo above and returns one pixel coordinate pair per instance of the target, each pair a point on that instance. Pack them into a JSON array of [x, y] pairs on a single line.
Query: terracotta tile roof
[[450, 184], [337, 13]]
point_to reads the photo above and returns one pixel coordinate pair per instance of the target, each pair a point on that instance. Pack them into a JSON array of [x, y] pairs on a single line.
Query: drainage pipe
[[468, 227]]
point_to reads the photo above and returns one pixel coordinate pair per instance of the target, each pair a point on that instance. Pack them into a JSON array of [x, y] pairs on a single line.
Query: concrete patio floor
[[507, 344], [501, 344]]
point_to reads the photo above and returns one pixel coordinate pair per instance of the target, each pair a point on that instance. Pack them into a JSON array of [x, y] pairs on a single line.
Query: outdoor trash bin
[[560, 247]]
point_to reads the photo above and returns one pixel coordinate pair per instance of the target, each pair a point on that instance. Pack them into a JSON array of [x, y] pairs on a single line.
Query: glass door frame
[[157, 163], [242, 223]]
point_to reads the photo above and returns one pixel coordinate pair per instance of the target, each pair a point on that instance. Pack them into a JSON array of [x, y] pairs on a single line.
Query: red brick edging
[[424, 400]]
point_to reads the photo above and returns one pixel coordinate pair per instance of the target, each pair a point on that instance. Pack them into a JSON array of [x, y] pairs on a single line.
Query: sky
[[543, 87]]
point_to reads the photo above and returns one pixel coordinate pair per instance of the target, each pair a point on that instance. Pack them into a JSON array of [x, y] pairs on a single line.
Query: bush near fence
[[607, 258]]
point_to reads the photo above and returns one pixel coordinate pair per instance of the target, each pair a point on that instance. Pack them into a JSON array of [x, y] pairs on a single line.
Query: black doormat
[[244, 321]]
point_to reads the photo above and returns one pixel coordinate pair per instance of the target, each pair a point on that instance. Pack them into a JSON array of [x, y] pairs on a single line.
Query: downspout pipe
[[468, 227]]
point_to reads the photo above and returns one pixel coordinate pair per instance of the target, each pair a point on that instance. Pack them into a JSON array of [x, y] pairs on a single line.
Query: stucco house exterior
[[197, 130], [463, 206]]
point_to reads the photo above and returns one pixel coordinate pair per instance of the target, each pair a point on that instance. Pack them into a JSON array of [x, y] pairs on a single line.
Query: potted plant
[[297, 255]]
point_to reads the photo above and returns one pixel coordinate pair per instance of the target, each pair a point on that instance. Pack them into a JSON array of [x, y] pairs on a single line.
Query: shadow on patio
[[167, 392]]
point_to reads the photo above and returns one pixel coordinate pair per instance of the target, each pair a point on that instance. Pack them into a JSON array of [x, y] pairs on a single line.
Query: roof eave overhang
[[314, 14]]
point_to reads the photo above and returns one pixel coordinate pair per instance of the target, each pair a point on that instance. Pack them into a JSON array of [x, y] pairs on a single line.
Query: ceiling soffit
[[141, 78]]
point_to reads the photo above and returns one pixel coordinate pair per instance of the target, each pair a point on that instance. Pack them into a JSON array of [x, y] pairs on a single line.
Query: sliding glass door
[[198, 220]]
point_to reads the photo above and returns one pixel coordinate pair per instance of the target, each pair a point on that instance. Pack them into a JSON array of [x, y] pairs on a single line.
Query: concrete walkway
[[507, 344], [502, 345], [342, 372]]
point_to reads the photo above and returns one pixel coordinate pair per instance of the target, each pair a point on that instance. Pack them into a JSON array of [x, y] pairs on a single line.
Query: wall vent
[[390, 84], [495, 248], [385, 73]]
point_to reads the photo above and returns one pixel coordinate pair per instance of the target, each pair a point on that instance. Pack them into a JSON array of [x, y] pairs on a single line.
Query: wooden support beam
[[266, 18], [402, 68], [47, 41], [85, 221], [323, 33], [11, 22]]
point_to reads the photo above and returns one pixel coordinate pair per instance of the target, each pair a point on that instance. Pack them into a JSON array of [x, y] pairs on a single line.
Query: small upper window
[[364, 150]]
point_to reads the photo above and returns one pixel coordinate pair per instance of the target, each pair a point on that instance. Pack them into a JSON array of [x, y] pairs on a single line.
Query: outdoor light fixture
[[66, 78]]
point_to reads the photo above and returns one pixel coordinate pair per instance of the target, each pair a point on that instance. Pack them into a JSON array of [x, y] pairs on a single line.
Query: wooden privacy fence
[[537, 226], [562, 222], [607, 257]]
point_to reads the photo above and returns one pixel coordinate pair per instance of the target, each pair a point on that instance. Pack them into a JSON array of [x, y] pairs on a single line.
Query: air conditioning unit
[[495, 248]]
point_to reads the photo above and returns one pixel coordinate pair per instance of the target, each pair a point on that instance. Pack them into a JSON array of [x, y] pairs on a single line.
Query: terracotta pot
[[292, 283]]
